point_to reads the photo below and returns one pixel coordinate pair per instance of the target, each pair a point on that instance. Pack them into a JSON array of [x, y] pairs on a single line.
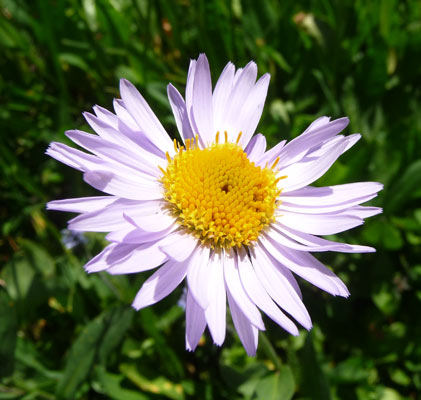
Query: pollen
[[218, 194]]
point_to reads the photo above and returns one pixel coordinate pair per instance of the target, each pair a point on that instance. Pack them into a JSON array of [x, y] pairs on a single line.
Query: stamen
[[238, 137], [175, 145], [226, 136], [217, 137], [276, 162], [168, 156], [280, 178]]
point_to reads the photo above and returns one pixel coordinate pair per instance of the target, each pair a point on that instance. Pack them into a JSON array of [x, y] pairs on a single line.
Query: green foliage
[[68, 335]]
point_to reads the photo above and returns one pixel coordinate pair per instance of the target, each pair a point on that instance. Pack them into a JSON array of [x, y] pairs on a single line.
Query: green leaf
[[90, 14], [382, 232], [386, 299], [400, 377], [277, 386], [18, 276], [352, 370], [74, 60], [245, 381], [39, 257]]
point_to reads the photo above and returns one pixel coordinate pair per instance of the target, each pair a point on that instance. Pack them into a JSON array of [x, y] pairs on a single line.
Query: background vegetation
[[67, 335]]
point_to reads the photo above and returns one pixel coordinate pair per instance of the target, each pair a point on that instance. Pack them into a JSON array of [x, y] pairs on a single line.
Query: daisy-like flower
[[236, 221]]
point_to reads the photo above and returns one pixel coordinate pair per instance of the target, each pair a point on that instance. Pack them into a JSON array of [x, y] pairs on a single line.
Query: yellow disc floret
[[219, 195]]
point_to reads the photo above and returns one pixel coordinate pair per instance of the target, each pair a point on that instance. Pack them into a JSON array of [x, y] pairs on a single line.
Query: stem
[[269, 350]]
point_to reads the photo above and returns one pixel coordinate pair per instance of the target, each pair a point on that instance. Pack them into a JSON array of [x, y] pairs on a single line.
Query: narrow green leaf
[[405, 188], [111, 386], [313, 383], [81, 358], [159, 385], [95, 343], [8, 329], [118, 322]]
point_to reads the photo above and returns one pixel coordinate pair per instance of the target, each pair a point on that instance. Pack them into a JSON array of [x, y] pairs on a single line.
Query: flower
[[235, 220]]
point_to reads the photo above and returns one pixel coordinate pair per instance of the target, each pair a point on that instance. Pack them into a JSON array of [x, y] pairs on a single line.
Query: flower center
[[218, 194]]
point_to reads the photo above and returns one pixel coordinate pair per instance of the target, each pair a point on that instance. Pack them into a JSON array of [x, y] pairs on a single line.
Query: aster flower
[[235, 221]]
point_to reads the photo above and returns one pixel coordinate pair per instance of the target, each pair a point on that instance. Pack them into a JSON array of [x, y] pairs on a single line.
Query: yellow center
[[218, 194]]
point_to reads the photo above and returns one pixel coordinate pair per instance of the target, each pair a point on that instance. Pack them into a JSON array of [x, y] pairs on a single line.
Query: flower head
[[216, 208]]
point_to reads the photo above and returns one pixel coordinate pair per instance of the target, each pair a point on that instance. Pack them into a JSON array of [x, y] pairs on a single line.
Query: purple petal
[[351, 140], [271, 155], [306, 266], [216, 311], [101, 261], [179, 246], [297, 148], [126, 258], [239, 95], [87, 162], [155, 221], [279, 287], [111, 218], [75, 158], [128, 127], [331, 195], [303, 173], [81, 204], [236, 290], [221, 96], [319, 224], [326, 146], [179, 110], [145, 163], [144, 116], [137, 236], [195, 322], [247, 332], [124, 115], [318, 123], [282, 238], [202, 100], [306, 242], [115, 132], [143, 258], [256, 147], [123, 135], [198, 276], [189, 85], [106, 116], [260, 297], [252, 109], [363, 212], [127, 187], [320, 209], [160, 284]]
